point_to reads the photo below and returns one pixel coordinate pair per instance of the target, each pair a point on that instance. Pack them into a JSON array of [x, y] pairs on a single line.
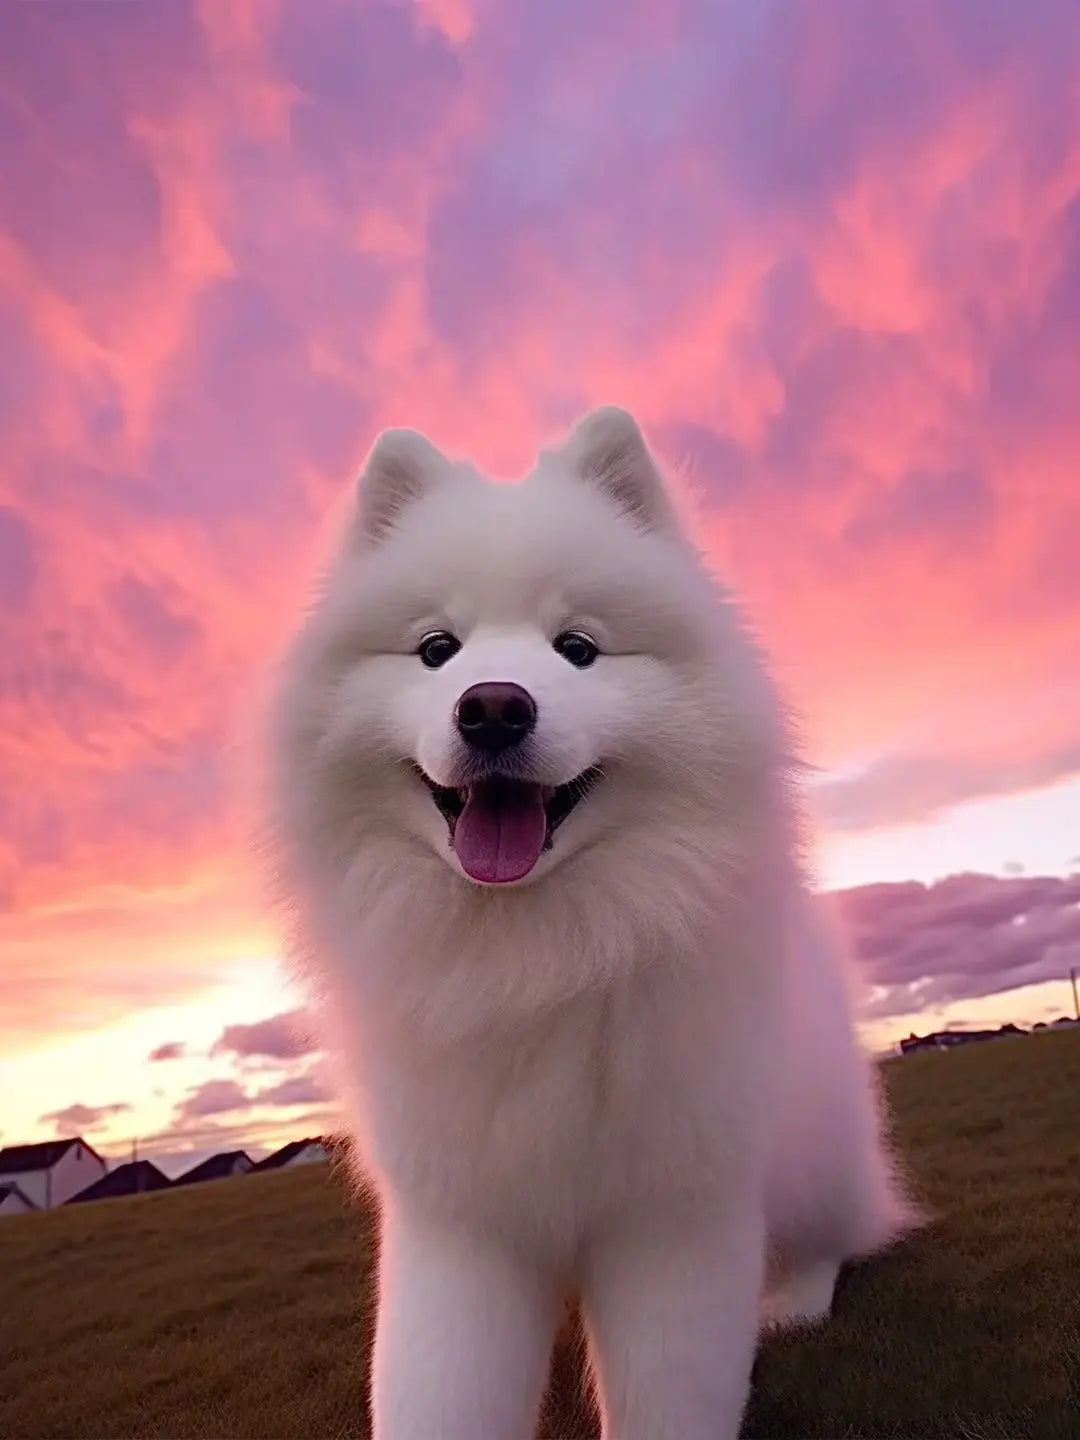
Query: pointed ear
[[402, 466], [608, 450]]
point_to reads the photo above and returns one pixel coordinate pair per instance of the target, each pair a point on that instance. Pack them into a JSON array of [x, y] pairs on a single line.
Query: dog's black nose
[[495, 715]]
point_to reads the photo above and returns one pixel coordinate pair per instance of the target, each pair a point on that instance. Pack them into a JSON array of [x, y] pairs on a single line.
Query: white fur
[[632, 1074]]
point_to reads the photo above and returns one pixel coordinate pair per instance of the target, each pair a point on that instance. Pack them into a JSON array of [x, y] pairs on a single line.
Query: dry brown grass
[[244, 1308]]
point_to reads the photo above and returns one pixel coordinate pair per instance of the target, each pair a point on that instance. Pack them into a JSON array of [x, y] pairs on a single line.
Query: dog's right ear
[[402, 466]]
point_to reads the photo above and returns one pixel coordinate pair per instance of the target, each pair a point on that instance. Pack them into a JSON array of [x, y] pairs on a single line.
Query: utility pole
[[1076, 1002]]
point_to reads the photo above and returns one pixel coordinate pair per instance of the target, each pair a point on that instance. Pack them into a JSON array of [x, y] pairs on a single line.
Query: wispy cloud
[[77, 1118], [213, 1097]]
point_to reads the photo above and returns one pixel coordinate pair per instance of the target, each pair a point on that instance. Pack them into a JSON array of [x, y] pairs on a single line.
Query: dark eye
[[437, 648], [581, 650]]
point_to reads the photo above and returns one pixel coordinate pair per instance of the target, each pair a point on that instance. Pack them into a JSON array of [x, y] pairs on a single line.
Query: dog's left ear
[[608, 450], [403, 465]]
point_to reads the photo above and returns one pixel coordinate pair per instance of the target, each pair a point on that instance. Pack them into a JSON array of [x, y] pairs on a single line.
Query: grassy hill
[[244, 1308]]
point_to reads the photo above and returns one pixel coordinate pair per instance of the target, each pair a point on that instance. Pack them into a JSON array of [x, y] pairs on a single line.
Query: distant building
[[915, 1043], [134, 1178], [949, 1039], [13, 1201], [298, 1152], [49, 1173], [217, 1167]]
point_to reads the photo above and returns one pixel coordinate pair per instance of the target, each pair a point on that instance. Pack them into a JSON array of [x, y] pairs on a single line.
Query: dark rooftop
[[15, 1159], [130, 1179], [287, 1153], [217, 1167], [8, 1187]]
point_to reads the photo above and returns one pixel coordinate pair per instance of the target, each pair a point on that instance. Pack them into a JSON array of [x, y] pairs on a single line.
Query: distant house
[[134, 1178], [217, 1167], [49, 1173], [949, 1039], [915, 1043], [312, 1151], [12, 1199]]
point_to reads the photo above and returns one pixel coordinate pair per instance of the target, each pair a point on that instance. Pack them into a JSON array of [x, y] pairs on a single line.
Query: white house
[[51, 1172], [297, 1152], [12, 1199]]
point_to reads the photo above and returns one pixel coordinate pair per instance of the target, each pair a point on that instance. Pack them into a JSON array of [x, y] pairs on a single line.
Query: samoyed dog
[[533, 804]]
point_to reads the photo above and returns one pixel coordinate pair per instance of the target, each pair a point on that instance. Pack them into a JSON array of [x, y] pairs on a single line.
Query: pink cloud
[[281, 1037], [305, 1089], [170, 1050], [204, 1103], [903, 788], [75, 1119], [212, 1097]]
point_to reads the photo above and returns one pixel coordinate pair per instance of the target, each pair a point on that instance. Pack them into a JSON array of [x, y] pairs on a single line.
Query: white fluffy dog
[[533, 804]]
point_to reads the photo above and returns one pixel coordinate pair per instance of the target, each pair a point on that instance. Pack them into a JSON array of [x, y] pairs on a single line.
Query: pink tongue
[[501, 832]]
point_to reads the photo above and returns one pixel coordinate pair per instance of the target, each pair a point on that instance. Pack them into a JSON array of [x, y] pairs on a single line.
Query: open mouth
[[499, 827]]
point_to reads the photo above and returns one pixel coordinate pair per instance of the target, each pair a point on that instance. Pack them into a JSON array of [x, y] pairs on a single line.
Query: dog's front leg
[[463, 1337], [672, 1313]]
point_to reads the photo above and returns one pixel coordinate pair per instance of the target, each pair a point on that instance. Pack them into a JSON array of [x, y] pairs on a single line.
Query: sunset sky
[[829, 253]]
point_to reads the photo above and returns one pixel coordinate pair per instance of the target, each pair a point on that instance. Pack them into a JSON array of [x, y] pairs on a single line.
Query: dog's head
[[512, 674]]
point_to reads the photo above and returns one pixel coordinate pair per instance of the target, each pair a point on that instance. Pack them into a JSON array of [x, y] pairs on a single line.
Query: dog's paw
[[803, 1297]]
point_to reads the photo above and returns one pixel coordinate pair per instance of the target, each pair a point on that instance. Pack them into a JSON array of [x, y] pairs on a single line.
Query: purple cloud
[[363, 72], [281, 1037], [170, 1050], [963, 938], [195, 1115], [147, 612], [903, 789], [306, 1089], [954, 507], [242, 410], [18, 561], [74, 1119], [213, 1097], [73, 64]]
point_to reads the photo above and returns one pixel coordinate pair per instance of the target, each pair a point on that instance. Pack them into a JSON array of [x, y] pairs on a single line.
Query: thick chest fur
[[612, 1100]]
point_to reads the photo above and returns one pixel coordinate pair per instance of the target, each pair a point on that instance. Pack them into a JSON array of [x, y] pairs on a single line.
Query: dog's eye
[[437, 648], [581, 650]]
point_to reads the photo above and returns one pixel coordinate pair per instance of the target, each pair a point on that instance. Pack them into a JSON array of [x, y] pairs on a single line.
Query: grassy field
[[244, 1308]]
